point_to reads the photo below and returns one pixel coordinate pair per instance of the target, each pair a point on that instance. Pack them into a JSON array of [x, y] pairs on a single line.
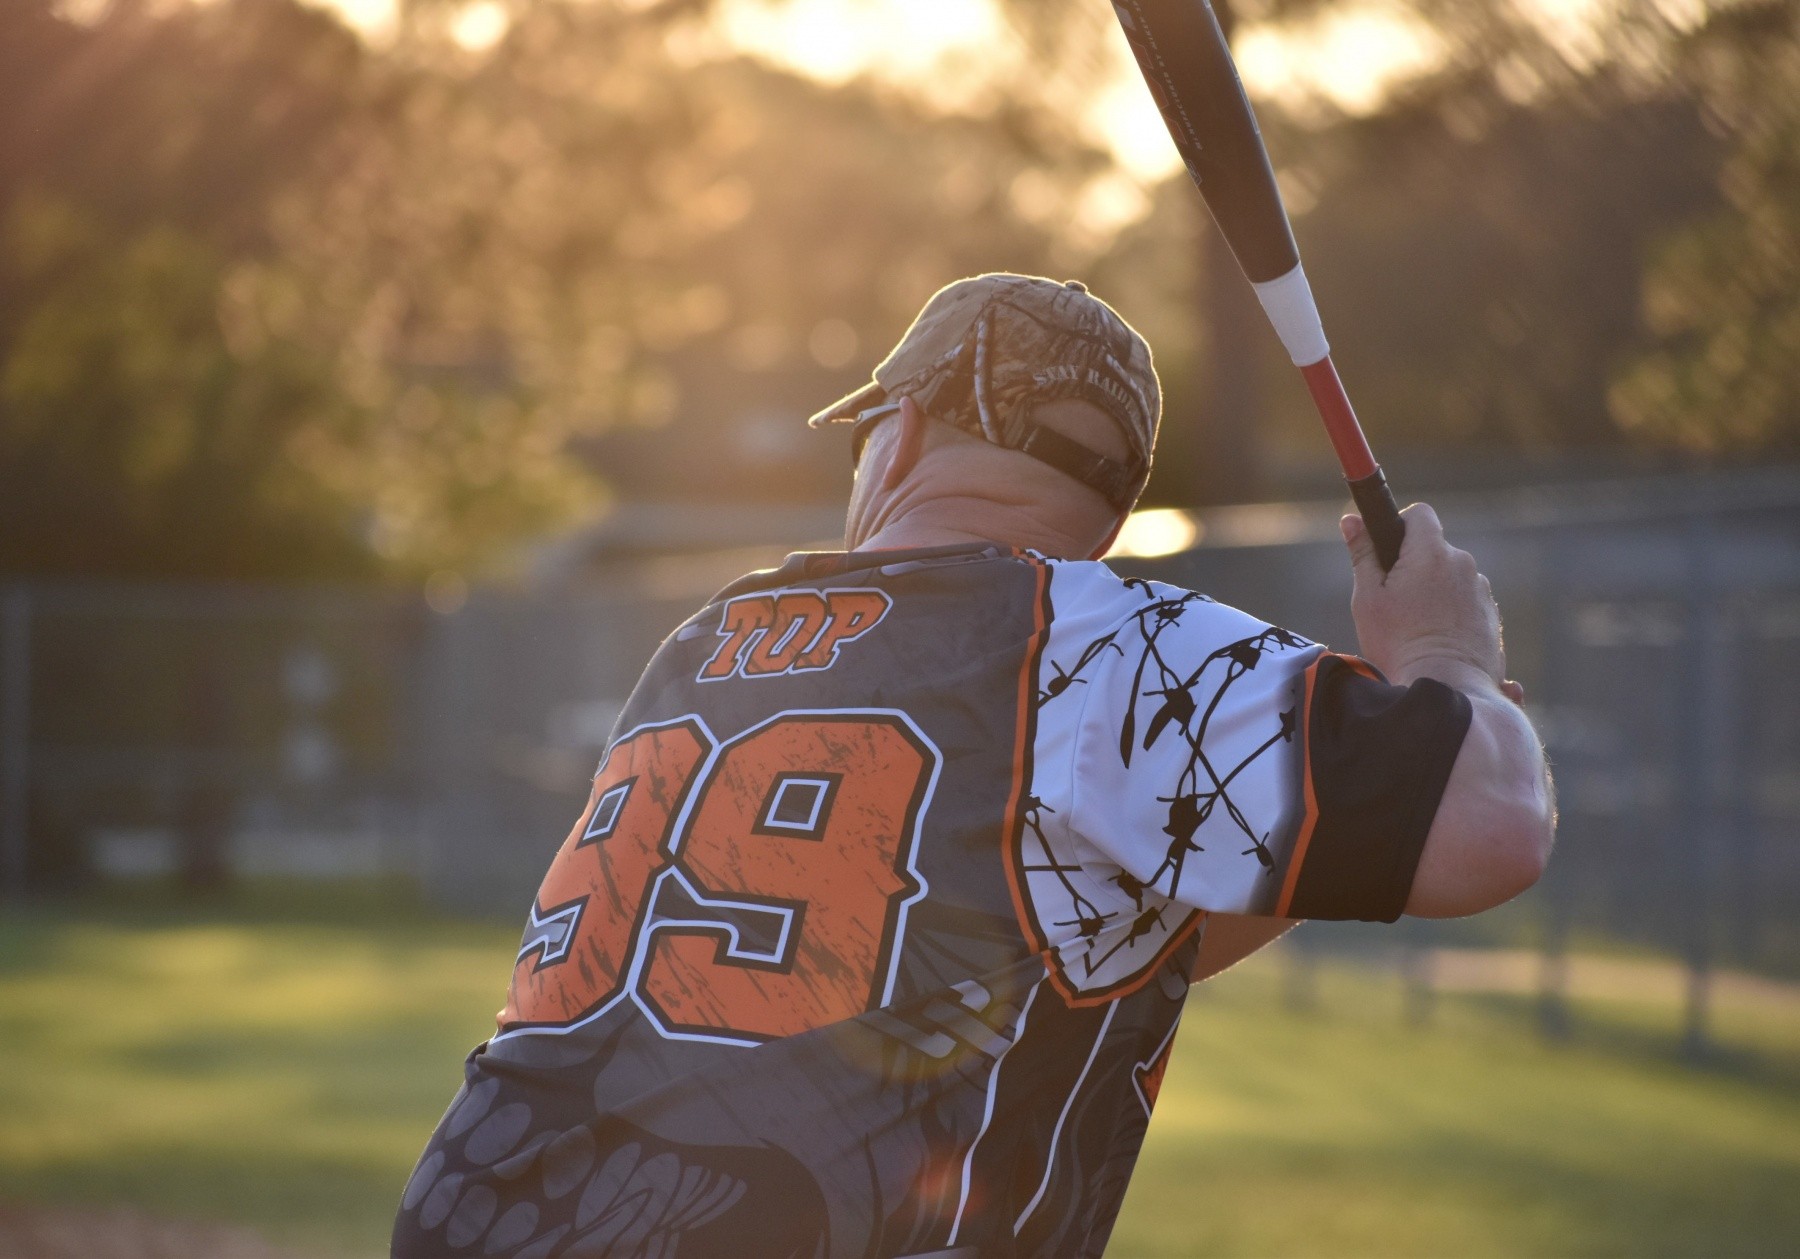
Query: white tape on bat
[[1288, 302]]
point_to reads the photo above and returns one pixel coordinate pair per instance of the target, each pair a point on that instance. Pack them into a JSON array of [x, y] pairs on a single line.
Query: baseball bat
[[1187, 63]]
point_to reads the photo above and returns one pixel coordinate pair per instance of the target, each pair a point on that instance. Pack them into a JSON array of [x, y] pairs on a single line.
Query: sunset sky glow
[[1350, 59]]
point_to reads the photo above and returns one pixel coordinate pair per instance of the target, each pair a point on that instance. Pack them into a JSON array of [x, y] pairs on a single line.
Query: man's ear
[[908, 446]]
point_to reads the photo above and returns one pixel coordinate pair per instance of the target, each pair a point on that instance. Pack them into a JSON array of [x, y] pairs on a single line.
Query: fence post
[[1418, 972], [15, 733], [1300, 989], [1705, 677], [1558, 627], [1553, 967], [1744, 786]]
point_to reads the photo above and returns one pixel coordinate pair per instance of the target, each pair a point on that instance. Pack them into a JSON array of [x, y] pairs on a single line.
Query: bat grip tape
[[1381, 516]]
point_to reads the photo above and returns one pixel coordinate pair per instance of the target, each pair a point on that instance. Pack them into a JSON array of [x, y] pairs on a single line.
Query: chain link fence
[[210, 733]]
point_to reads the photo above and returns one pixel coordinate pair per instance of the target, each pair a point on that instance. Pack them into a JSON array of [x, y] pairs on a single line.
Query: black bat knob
[[1381, 515]]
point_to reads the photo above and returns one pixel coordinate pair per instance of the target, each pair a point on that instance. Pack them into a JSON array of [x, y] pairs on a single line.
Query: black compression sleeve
[[1378, 758]]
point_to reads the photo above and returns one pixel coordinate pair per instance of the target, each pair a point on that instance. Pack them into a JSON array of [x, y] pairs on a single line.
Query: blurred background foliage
[[287, 297]]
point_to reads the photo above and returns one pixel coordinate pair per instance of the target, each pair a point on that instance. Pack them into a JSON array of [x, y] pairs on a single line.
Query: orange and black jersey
[[874, 933]]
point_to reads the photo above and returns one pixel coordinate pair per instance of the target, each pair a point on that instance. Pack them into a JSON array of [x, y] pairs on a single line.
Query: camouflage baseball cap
[[986, 350]]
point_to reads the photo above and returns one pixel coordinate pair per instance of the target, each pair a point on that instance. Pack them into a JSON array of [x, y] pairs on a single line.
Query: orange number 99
[[812, 816]]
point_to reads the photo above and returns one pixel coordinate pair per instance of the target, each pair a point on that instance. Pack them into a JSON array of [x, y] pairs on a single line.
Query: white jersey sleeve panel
[[1188, 765], [1167, 771], [1185, 759]]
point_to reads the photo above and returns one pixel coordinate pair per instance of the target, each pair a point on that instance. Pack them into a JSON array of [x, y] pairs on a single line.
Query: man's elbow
[[1520, 850], [1498, 857]]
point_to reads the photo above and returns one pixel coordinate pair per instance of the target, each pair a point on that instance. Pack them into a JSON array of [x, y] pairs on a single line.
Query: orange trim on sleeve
[[1144, 974], [1291, 880], [1301, 841], [1013, 833]]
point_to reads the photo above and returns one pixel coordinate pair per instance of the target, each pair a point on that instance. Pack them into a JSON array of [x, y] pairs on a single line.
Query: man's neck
[[904, 538], [976, 523]]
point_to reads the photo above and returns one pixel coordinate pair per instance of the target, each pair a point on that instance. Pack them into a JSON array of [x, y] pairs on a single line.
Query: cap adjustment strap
[[1111, 479]]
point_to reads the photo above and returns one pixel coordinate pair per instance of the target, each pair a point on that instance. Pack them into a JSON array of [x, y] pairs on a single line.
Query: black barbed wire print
[[1089, 921], [1064, 680], [1185, 703]]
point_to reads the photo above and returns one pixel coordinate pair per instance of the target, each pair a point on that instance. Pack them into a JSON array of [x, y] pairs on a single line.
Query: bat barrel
[[1194, 82]]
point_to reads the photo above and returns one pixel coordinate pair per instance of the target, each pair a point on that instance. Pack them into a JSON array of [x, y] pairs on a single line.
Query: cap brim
[[848, 407]]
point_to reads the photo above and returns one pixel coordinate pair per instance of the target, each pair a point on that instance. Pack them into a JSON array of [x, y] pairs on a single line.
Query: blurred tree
[[851, 206], [325, 309], [136, 437], [1722, 296], [1489, 283], [279, 303], [286, 307], [133, 438]]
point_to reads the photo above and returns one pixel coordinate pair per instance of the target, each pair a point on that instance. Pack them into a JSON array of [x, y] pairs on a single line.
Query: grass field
[[278, 1062]]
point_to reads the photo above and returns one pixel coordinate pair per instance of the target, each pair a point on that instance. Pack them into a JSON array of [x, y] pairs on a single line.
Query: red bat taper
[[1188, 65]]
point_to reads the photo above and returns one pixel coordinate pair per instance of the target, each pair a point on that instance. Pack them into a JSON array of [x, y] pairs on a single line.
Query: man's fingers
[[1421, 517], [1356, 537]]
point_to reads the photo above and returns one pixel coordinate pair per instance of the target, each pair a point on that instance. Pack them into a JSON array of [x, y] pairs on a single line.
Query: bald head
[[924, 483]]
